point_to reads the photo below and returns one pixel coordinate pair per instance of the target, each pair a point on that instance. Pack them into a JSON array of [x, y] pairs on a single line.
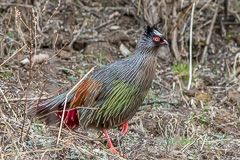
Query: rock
[[65, 54], [25, 61], [113, 28], [39, 58], [238, 89], [124, 51]]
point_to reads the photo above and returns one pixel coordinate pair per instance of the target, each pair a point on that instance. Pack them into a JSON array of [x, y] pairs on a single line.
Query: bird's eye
[[156, 39]]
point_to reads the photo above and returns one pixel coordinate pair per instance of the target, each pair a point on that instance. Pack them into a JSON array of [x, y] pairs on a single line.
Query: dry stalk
[[174, 35], [9, 20], [139, 6], [180, 20], [204, 6], [27, 99], [6, 100], [8, 130], [204, 141], [55, 11], [204, 56], [18, 14], [13, 55], [78, 33], [16, 4], [189, 144], [40, 150], [190, 47], [235, 64], [35, 34], [19, 81], [65, 104], [33, 21], [86, 152], [44, 7]]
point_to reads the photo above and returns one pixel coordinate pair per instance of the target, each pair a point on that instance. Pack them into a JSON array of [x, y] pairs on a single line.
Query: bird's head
[[152, 38]]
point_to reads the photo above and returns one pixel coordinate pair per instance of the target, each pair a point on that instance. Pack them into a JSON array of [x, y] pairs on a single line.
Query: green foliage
[[6, 73], [181, 68], [65, 69], [70, 71], [12, 33], [229, 36], [73, 79], [153, 96], [183, 71], [102, 59]]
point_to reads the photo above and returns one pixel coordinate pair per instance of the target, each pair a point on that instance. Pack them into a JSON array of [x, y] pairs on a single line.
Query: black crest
[[149, 30]]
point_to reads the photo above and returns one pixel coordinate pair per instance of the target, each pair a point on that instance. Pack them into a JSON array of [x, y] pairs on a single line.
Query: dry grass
[[173, 123]]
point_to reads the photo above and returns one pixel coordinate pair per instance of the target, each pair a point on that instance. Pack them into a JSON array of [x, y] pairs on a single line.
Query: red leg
[[124, 129], [111, 146]]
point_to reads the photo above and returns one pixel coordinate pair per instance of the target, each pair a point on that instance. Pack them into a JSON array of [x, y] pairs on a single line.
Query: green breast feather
[[120, 98]]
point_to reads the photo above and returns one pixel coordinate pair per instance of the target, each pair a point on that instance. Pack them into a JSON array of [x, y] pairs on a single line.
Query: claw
[[124, 129], [111, 146]]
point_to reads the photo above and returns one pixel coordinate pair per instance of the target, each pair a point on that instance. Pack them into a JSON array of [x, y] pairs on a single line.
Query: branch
[[204, 56]]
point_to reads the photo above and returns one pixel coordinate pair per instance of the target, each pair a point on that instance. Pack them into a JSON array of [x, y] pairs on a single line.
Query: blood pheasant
[[111, 95]]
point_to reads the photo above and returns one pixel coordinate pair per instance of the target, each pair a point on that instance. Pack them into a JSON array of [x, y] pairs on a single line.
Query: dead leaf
[[233, 95], [203, 96], [114, 14]]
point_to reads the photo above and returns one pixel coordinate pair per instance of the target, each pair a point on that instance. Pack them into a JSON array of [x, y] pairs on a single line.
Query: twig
[[174, 35], [236, 14], [138, 9], [18, 14], [6, 100], [65, 104], [16, 4], [180, 20], [235, 63], [8, 130], [42, 150], [204, 56], [204, 140], [13, 55], [78, 33], [190, 48], [158, 102], [27, 99], [33, 20], [189, 144], [55, 11], [102, 25], [9, 20], [181, 91], [205, 5]]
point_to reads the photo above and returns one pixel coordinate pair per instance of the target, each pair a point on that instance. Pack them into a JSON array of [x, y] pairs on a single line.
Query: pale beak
[[164, 42]]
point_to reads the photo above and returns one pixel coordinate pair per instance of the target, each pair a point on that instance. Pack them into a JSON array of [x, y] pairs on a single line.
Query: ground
[[68, 38]]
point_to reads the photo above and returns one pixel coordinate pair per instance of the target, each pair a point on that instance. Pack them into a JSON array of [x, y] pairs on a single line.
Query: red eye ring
[[156, 39]]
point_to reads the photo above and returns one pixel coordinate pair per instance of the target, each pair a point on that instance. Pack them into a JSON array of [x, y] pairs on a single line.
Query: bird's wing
[[86, 94]]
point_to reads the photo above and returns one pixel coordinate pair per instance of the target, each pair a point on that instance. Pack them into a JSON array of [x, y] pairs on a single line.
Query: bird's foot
[[111, 146], [116, 152], [124, 129]]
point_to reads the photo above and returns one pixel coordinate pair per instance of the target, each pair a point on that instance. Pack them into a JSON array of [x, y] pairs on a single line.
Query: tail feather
[[50, 111]]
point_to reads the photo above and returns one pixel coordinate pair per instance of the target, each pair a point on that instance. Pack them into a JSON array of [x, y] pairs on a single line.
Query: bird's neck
[[147, 51], [145, 60]]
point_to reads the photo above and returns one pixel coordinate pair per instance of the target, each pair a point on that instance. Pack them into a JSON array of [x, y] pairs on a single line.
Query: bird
[[111, 95]]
